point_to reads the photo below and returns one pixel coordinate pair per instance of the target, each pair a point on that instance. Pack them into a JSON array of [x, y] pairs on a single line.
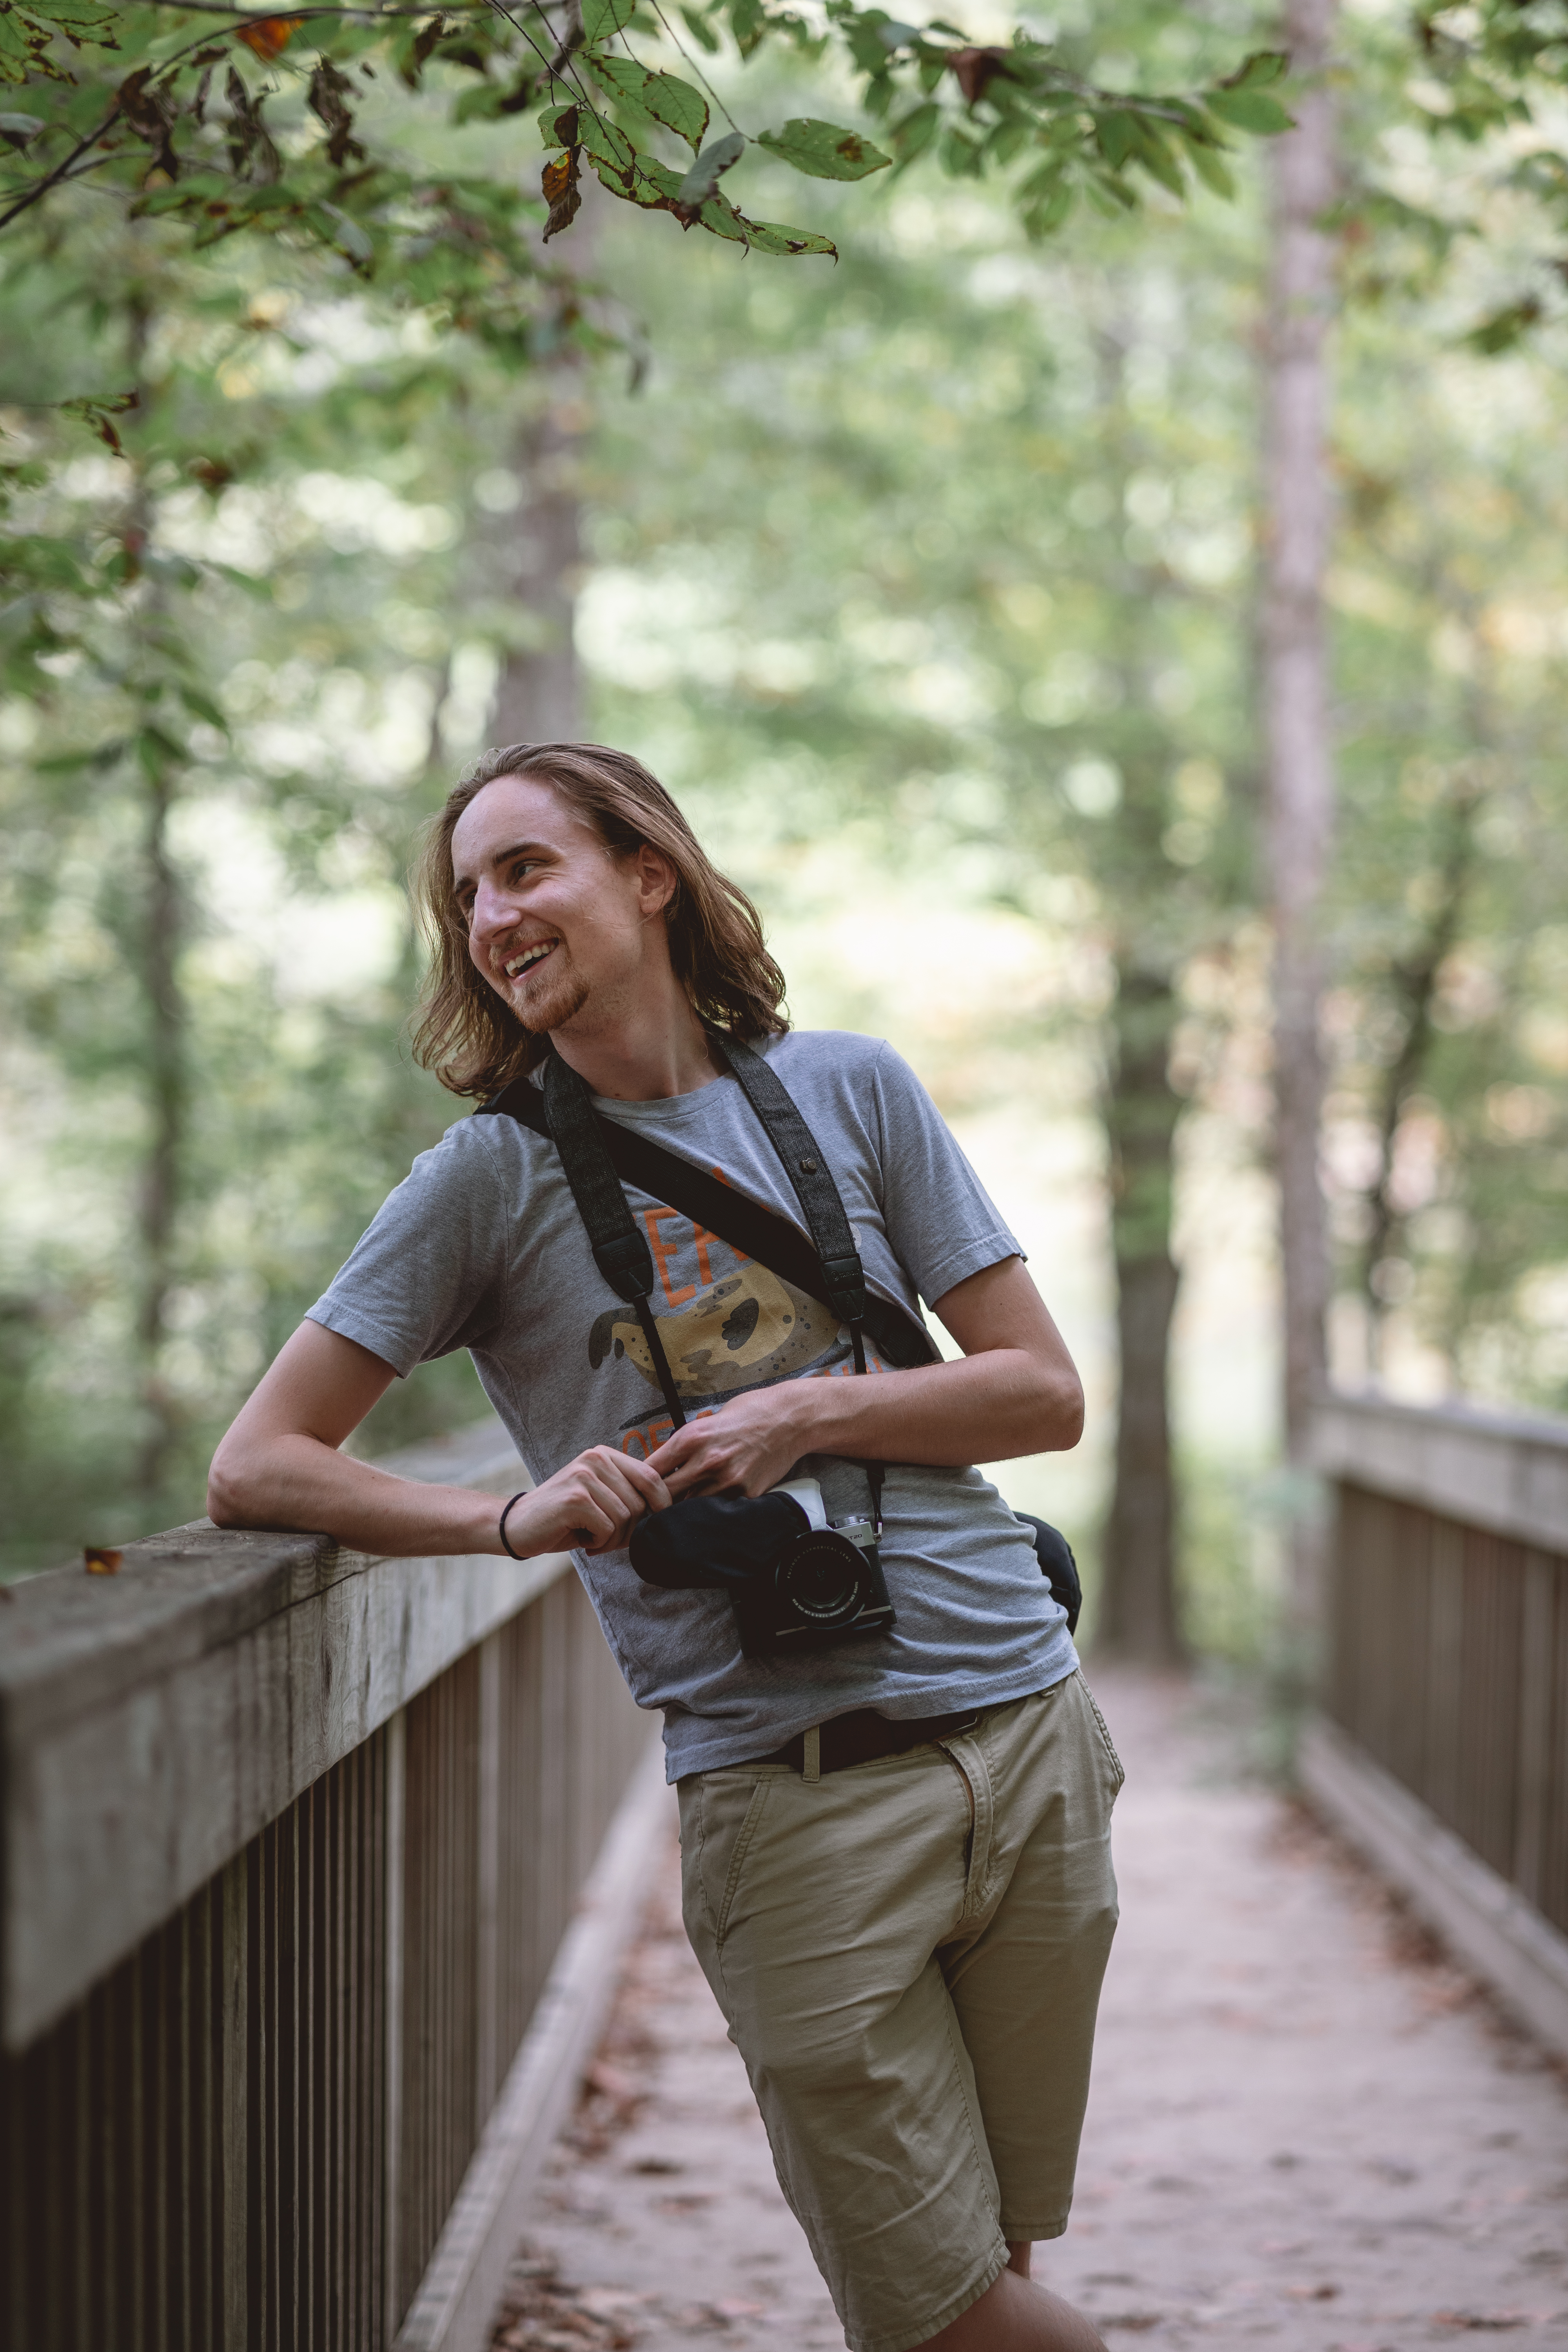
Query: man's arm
[[279, 1467], [1015, 1391]]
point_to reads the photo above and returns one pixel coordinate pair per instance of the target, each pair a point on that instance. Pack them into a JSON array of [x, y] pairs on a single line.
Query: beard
[[556, 998]]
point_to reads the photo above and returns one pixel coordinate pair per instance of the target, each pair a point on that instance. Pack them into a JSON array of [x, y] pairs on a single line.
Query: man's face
[[553, 917]]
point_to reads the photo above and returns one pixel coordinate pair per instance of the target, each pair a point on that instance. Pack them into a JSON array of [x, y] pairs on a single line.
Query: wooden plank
[[115, 1814], [1535, 1726], [70, 1642], [486, 1956], [456, 2297], [1485, 1922], [391, 2053], [235, 2071], [1504, 1472]]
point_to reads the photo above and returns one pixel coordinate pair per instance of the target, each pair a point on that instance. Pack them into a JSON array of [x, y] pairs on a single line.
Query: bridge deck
[[1306, 2127]]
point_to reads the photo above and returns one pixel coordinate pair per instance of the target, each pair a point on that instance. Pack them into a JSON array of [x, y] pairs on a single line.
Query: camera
[[794, 1582]]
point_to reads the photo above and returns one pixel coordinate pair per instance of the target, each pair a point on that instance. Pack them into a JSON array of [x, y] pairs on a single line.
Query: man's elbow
[[1059, 1411], [231, 1494]]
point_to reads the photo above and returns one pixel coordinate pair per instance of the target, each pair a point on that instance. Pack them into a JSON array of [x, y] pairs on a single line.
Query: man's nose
[[495, 910]]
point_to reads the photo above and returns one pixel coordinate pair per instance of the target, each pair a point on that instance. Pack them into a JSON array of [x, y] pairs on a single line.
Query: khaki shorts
[[908, 1953]]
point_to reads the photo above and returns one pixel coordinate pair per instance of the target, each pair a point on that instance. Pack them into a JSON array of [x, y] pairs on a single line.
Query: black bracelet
[[505, 1517]]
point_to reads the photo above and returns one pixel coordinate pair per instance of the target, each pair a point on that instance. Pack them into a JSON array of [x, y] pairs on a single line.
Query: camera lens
[[821, 1578]]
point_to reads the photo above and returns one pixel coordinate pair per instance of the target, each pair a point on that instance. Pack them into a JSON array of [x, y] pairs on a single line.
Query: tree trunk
[[1296, 691], [538, 699], [160, 1188], [1414, 981], [162, 926], [1137, 1609], [540, 548]]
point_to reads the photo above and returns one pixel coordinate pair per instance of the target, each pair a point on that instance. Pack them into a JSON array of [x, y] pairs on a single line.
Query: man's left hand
[[743, 1448]]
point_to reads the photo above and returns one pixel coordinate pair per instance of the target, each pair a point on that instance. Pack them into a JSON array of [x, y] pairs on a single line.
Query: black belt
[[862, 1736]]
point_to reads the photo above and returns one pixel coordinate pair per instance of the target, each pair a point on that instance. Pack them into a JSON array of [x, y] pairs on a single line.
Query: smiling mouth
[[518, 966]]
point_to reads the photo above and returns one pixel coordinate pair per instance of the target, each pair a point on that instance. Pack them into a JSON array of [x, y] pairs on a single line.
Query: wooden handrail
[[1506, 1471], [1439, 1749], [152, 1722]]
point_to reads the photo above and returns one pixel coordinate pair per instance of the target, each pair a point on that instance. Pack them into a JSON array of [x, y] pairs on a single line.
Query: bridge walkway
[[1306, 2127]]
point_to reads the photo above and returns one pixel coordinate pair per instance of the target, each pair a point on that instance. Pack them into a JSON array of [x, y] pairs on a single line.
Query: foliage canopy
[[231, 122]]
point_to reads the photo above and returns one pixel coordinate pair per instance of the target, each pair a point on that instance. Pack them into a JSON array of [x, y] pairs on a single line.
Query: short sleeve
[[429, 1275], [942, 1224]]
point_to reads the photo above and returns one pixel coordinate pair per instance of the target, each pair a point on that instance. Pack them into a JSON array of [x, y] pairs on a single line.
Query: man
[[896, 1850]]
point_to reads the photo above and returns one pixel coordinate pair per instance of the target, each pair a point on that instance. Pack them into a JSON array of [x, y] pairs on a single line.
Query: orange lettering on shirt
[[663, 1251]]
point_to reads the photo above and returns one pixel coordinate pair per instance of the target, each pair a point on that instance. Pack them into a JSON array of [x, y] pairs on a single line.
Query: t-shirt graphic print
[[481, 1247], [743, 1329]]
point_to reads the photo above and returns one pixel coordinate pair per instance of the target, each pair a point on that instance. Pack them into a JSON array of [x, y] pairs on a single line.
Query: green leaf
[[1504, 328], [1157, 160], [748, 23], [23, 49], [959, 155], [1117, 134], [664, 96], [720, 217], [84, 18], [701, 182], [1249, 110], [653, 184], [913, 134], [772, 237], [1262, 67], [558, 125], [69, 763], [824, 151], [1210, 170], [701, 31], [603, 17], [347, 234], [1049, 209], [608, 148]]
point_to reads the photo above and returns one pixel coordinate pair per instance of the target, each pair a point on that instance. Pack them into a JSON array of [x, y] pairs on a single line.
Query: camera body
[[794, 1582]]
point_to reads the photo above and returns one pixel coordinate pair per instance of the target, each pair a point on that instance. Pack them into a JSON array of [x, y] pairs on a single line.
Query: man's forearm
[[296, 1482], [986, 1408]]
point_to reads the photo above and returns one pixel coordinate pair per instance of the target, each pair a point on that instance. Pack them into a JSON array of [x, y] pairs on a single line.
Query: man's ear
[[658, 880]]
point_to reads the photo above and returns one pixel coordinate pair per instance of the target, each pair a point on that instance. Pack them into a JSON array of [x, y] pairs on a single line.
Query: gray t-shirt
[[481, 1247]]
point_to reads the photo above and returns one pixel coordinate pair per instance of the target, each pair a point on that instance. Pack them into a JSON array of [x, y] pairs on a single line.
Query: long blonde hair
[[467, 1035]]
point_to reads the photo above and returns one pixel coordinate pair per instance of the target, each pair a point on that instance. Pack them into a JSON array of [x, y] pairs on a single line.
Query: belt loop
[[811, 1761]]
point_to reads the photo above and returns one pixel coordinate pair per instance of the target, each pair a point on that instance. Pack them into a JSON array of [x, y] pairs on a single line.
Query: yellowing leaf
[[562, 192], [267, 36]]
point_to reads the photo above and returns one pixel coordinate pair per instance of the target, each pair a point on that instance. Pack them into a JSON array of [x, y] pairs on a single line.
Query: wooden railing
[[315, 1869], [1442, 1747]]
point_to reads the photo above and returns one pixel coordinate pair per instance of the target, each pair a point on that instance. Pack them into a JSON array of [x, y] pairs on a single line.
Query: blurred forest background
[[928, 581]]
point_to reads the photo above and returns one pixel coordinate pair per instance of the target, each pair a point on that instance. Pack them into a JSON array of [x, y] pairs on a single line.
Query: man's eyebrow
[[505, 856]]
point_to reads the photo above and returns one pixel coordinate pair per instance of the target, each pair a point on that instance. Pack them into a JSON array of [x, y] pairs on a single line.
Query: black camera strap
[[598, 1156], [808, 1172], [620, 1251]]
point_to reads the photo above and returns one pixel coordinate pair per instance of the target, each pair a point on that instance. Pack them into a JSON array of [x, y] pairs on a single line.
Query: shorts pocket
[[747, 1831], [1106, 1741]]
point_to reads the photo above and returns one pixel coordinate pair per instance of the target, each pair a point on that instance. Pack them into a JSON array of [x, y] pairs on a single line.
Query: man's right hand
[[282, 1466], [590, 1506]]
